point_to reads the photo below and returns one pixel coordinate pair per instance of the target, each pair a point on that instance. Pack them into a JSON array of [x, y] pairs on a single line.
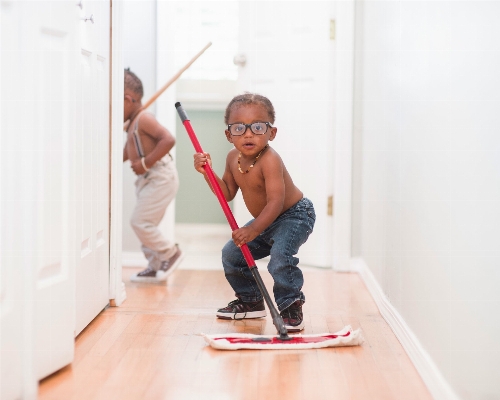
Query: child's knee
[[281, 261], [139, 226], [229, 249], [230, 253]]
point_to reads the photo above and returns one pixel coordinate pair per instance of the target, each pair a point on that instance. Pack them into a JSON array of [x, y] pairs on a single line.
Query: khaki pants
[[154, 190]]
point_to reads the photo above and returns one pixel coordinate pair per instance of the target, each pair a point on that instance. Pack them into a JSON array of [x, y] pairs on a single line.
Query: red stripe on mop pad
[[236, 341]]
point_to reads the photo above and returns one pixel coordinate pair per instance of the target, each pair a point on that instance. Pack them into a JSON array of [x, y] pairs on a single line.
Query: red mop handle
[[213, 181]]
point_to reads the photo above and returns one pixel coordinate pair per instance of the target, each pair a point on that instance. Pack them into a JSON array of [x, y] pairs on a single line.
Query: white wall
[[426, 194]]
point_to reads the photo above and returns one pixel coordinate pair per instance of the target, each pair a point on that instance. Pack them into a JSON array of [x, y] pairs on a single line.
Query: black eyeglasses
[[258, 128]]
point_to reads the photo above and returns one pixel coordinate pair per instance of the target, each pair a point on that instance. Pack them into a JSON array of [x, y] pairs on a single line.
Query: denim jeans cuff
[[249, 299], [288, 303]]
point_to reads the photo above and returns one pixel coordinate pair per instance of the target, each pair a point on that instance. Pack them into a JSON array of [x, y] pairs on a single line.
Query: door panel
[[55, 178], [92, 274], [49, 42], [12, 286]]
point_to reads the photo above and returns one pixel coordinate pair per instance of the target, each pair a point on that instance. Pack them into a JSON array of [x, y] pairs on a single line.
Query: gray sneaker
[[168, 266], [149, 275]]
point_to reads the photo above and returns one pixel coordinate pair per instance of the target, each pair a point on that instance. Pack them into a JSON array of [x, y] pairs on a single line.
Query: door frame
[[117, 293], [344, 111], [166, 113]]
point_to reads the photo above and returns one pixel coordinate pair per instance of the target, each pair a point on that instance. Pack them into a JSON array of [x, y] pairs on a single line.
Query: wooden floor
[[149, 348]]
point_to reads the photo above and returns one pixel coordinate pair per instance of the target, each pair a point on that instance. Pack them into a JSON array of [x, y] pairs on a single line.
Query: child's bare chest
[[252, 181]]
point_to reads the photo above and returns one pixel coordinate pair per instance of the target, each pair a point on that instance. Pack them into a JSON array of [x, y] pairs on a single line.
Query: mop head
[[237, 341]]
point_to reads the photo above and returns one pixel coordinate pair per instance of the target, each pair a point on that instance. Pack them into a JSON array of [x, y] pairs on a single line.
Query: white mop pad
[[236, 341]]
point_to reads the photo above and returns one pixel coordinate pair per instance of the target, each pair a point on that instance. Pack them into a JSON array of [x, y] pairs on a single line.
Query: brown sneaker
[[149, 275], [238, 309], [168, 266], [293, 317]]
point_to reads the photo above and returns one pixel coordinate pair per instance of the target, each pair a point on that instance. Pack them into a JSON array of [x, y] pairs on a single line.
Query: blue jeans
[[281, 240]]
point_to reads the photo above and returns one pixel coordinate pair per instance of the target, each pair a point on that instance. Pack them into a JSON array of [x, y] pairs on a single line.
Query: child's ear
[[228, 136], [274, 130]]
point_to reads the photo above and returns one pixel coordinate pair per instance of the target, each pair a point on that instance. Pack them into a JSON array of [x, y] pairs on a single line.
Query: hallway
[[388, 120], [149, 348]]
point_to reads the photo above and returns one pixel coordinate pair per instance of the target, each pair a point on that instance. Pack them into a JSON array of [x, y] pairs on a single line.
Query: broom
[[168, 84], [345, 337]]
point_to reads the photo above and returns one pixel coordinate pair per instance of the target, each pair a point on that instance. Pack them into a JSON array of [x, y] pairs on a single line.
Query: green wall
[[195, 202]]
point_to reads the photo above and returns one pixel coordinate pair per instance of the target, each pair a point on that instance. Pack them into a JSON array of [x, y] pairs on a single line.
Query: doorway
[[195, 202]]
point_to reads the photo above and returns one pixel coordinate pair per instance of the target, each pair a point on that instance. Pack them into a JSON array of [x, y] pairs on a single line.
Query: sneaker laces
[[164, 264], [235, 303], [291, 313]]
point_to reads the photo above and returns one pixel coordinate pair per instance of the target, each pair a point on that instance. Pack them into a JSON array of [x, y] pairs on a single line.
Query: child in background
[[148, 148], [283, 218]]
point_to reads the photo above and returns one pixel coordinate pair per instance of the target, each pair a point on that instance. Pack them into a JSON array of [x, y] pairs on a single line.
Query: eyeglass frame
[[268, 125]]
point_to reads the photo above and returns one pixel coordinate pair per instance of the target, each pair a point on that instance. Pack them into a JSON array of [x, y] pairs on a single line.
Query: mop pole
[[277, 320]]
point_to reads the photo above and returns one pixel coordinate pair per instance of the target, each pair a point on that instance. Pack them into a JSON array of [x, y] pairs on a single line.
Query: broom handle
[[170, 82], [277, 320], [175, 77]]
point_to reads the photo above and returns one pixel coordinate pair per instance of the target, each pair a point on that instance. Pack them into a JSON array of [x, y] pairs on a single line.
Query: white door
[[16, 308], [289, 58], [92, 132], [47, 117]]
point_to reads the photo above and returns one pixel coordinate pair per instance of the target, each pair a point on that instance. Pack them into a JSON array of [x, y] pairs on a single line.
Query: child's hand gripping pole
[[277, 320]]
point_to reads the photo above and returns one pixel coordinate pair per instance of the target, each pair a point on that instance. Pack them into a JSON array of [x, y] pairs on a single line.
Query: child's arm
[[125, 154], [165, 141], [272, 169], [227, 184]]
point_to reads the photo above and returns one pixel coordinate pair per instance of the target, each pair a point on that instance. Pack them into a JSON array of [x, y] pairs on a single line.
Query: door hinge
[[332, 29], [329, 207]]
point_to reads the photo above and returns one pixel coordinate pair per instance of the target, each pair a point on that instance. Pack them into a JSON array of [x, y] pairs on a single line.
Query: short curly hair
[[247, 99], [133, 83]]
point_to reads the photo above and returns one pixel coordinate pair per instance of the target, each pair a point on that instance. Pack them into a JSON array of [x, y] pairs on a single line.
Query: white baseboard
[[120, 297], [134, 259], [432, 377]]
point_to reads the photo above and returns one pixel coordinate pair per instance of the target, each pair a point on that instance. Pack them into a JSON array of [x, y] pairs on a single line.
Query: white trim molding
[[429, 372], [344, 109], [117, 294]]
